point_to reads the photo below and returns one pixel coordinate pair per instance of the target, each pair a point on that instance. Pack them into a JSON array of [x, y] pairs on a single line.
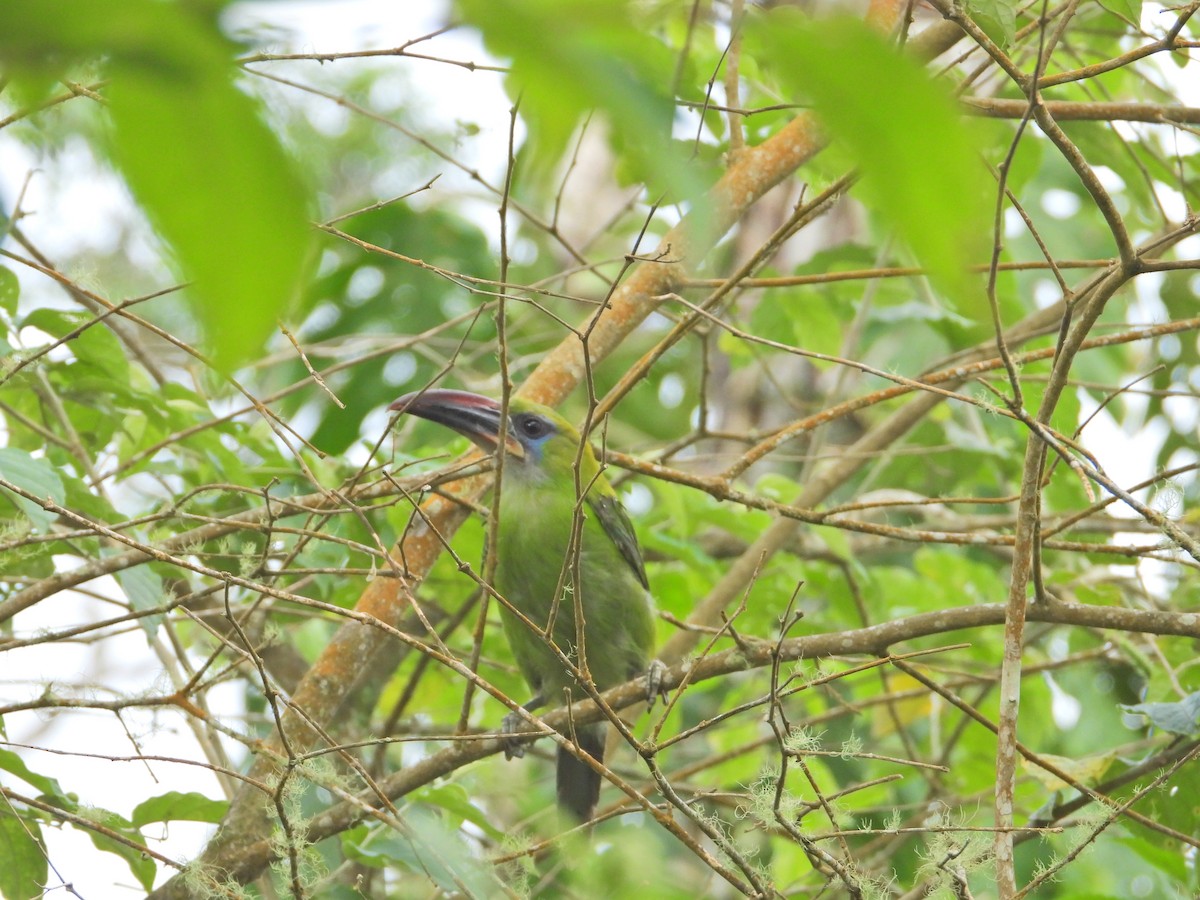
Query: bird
[[538, 574]]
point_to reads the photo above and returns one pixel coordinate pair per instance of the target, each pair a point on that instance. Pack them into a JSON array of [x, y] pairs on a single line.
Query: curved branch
[[253, 857]]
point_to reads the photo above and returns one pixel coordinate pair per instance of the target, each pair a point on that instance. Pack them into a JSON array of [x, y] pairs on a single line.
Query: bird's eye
[[533, 427]]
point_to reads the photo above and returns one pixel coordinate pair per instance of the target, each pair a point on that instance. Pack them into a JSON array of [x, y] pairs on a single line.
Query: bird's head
[[536, 438]]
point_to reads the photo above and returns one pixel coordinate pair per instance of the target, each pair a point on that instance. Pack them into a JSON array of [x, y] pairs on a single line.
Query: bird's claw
[[656, 672], [514, 734]]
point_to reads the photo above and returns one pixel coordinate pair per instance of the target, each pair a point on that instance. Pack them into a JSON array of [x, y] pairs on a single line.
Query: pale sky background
[[74, 203]]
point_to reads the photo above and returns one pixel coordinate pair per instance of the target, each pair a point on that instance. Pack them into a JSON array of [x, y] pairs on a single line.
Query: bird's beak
[[471, 415]]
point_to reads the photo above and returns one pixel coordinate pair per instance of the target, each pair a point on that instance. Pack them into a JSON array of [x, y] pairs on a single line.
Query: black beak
[[472, 415]]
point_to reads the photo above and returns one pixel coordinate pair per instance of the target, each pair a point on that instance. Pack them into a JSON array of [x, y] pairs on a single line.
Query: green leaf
[[1177, 718], [428, 847], [240, 232], [919, 161], [1085, 770], [590, 56], [143, 866], [101, 360], [145, 591], [175, 806], [801, 318], [916, 311], [24, 867], [997, 18], [37, 477], [1177, 805], [10, 290], [1129, 10], [1167, 859], [454, 799], [673, 546], [15, 765], [55, 322]]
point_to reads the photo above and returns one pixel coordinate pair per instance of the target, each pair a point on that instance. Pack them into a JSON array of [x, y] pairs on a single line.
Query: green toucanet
[[534, 561]]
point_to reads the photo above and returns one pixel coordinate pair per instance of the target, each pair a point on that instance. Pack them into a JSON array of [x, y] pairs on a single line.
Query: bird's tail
[[578, 783]]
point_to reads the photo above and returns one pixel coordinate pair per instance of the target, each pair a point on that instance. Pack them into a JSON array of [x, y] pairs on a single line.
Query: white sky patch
[[1065, 709], [1147, 306], [365, 283], [318, 26], [1172, 201], [328, 119], [637, 499], [1183, 413], [1046, 292], [1126, 456], [399, 368], [1060, 204], [1014, 225], [671, 391], [1109, 180]]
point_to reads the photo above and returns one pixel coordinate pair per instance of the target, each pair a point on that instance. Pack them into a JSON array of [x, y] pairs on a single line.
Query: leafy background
[[746, 243]]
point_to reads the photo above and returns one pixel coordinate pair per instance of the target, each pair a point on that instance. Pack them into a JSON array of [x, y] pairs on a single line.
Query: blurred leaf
[[921, 708], [1086, 770], [998, 19], [916, 311], [406, 302], [675, 547], [241, 230], [1177, 294], [428, 848], [24, 868], [1177, 806], [1025, 162], [1167, 859], [631, 865], [1177, 718], [145, 591], [37, 477], [590, 56], [453, 798], [1135, 190], [141, 865], [800, 318], [1129, 10], [10, 290], [210, 174], [918, 157]]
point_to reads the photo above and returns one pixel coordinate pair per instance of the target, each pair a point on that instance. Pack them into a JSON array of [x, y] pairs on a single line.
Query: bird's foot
[[514, 735], [655, 673]]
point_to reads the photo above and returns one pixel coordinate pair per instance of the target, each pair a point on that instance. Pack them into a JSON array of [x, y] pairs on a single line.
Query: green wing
[[617, 526]]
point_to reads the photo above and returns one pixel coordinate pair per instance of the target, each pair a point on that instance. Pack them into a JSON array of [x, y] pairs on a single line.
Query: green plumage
[[537, 505], [539, 502]]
